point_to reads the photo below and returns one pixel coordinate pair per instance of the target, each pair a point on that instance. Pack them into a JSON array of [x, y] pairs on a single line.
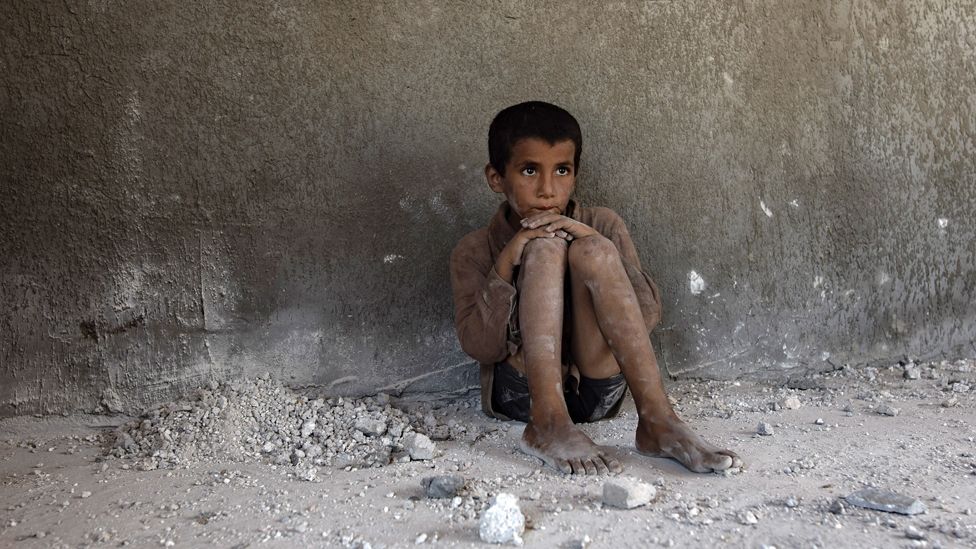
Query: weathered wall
[[205, 189]]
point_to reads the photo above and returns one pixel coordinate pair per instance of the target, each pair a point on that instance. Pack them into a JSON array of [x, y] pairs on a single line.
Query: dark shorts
[[590, 400]]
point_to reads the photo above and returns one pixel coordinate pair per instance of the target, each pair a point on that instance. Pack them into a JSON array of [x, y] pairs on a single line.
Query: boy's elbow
[[484, 354], [475, 345]]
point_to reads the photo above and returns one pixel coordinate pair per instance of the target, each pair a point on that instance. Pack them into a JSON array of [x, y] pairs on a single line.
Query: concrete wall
[[196, 190]]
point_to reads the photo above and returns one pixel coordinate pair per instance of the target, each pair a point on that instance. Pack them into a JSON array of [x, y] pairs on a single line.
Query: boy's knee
[[592, 252], [544, 249]]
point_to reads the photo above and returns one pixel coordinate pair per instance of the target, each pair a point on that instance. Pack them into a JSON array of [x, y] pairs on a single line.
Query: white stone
[[627, 493], [792, 402], [418, 446], [503, 522]]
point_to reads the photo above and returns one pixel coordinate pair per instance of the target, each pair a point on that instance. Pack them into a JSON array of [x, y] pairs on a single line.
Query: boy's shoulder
[[600, 217], [474, 243]]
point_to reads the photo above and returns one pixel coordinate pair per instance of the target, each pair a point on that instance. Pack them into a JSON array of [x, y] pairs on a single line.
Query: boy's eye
[[528, 171], [562, 170]]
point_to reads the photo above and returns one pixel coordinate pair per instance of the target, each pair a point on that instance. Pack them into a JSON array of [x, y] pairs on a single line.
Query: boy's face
[[539, 177]]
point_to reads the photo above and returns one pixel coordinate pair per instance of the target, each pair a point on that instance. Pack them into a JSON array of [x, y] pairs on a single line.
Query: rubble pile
[[260, 420]]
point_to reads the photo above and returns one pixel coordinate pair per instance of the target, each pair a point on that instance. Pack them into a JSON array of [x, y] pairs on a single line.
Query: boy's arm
[[647, 293], [483, 304]]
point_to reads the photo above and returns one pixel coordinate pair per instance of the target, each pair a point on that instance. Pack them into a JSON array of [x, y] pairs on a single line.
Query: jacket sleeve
[[483, 304], [648, 295]]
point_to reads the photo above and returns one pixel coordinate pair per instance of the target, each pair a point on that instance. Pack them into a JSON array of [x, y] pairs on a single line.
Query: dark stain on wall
[[196, 191]]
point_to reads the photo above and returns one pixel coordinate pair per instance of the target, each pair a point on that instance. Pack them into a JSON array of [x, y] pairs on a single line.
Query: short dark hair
[[531, 119]]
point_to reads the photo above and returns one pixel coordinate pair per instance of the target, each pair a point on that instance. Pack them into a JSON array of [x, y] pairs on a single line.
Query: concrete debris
[[914, 533], [260, 420], [373, 427], [950, 402], [748, 518], [791, 502], [888, 410], [960, 387], [442, 486], [503, 522], [883, 500], [912, 371], [627, 493], [792, 402], [819, 421], [838, 507], [418, 446], [764, 429]]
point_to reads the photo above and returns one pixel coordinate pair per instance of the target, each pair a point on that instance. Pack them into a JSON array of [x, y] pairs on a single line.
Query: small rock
[[309, 474], [442, 486], [86, 494], [420, 539], [914, 533], [418, 446], [949, 403], [308, 428], [791, 502], [371, 427], [888, 410], [748, 517], [819, 421], [764, 429], [960, 387], [838, 507], [792, 402], [578, 543], [883, 500], [912, 371], [627, 493], [503, 522]]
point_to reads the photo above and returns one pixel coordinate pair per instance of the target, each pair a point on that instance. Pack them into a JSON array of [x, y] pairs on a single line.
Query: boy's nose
[[546, 188]]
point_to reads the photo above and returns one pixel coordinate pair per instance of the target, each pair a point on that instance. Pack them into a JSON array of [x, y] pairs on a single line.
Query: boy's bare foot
[[674, 439], [567, 449]]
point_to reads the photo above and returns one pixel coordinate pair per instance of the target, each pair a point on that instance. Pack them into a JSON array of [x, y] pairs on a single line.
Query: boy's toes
[[601, 466], [718, 462], [612, 464], [563, 466], [736, 460], [590, 466], [577, 466]]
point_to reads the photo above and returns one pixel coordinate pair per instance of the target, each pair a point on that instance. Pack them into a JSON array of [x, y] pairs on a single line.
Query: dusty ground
[[59, 490]]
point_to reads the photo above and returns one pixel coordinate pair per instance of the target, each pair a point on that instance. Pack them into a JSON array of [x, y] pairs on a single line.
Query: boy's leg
[[550, 434], [609, 336]]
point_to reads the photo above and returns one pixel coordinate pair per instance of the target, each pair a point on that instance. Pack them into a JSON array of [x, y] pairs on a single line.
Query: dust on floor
[[907, 428]]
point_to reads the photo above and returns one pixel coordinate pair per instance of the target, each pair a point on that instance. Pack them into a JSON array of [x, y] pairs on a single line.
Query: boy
[[550, 298]]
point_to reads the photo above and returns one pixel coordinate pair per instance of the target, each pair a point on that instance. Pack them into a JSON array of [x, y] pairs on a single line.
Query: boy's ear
[[494, 178]]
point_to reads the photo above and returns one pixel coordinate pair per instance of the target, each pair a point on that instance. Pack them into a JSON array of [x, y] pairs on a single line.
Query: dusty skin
[[835, 443], [609, 335]]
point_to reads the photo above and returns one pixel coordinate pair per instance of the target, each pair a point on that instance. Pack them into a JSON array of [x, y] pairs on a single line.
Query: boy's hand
[[511, 255], [553, 222]]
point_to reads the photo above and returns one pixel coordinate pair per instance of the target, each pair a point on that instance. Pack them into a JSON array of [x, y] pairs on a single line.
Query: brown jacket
[[485, 313]]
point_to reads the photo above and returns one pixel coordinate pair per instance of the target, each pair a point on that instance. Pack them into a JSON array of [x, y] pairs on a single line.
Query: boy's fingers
[[539, 220]]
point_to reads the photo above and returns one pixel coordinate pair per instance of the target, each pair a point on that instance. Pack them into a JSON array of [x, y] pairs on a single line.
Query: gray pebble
[[442, 486]]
